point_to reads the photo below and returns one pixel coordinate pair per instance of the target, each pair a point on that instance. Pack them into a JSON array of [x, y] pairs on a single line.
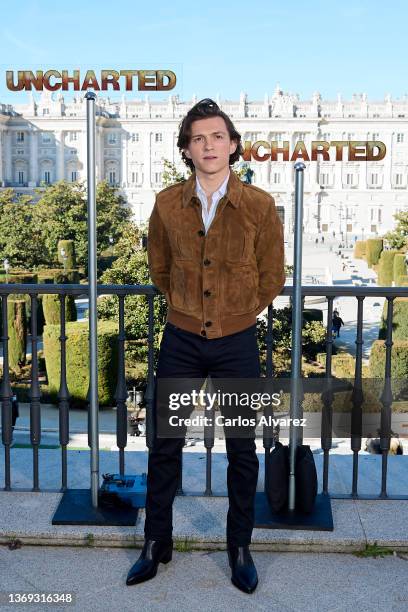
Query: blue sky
[[331, 46]]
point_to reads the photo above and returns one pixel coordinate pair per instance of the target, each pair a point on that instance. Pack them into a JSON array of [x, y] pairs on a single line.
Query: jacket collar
[[233, 194]]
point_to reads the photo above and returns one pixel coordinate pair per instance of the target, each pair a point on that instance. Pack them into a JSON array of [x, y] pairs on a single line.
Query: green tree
[[62, 214], [171, 175], [398, 237], [131, 268], [21, 240]]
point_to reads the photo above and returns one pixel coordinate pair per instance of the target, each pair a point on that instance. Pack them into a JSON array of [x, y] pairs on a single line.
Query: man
[[215, 249]]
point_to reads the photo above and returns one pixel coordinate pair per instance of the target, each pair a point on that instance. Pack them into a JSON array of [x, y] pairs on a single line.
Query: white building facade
[[45, 141]]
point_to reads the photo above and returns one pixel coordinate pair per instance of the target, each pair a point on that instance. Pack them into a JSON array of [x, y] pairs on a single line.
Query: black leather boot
[[153, 553], [244, 575]]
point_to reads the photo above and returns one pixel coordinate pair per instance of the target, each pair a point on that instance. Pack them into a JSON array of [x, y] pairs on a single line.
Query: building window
[[325, 227], [350, 136], [324, 178], [350, 179], [379, 215], [73, 136], [46, 137], [112, 177], [158, 177], [374, 179], [47, 177], [73, 176], [375, 136], [398, 180], [20, 151], [112, 138], [158, 137], [135, 177], [46, 111], [400, 137], [276, 177], [374, 229], [135, 137], [20, 136], [20, 177]]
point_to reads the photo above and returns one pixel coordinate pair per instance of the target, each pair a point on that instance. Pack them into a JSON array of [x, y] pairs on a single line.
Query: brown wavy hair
[[203, 109]]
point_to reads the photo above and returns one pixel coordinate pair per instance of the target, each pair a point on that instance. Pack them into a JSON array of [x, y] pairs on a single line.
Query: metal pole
[[296, 371], [90, 97]]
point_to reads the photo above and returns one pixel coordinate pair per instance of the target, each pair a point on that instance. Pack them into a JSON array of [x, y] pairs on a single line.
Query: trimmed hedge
[[373, 249], [386, 268], [399, 364], [402, 281], [17, 332], [399, 266], [360, 249], [77, 353], [69, 248], [51, 308], [399, 320]]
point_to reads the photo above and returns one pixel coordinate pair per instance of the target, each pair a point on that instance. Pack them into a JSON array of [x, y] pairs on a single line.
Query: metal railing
[[121, 291]]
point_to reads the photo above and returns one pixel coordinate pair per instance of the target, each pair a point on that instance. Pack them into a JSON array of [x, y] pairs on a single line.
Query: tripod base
[[320, 519], [75, 508]]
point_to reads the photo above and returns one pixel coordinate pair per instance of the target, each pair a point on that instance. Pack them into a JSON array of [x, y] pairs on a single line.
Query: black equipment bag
[[277, 478]]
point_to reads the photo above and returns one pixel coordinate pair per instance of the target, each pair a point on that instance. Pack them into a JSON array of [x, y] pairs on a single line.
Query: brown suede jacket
[[216, 284]]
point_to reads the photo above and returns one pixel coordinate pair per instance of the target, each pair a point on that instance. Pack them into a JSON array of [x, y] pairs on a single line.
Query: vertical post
[[90, 97], [296, 369]]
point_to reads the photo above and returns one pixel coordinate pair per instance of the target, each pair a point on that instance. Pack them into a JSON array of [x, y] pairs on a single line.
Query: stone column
[[147, 160], [60, 136], [7, 155], [33, 180], [1, 157]]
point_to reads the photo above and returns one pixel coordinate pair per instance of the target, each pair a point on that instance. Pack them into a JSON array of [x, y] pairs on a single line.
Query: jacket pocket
[[185, 291], [240, 289], [239, 245]]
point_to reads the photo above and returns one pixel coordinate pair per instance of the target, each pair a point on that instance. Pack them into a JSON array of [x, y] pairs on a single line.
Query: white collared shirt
[[216, 197]]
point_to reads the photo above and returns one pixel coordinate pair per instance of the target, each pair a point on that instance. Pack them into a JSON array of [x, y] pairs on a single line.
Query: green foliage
[[385, 268], [360, 249], [131, 268], [29, 233], [171, 175], [399, 320], [51, 308], [398, 237], [374, 246], [69, 260], [78, 360], [399, 266], [17, 332], [313, 339], [399, 364]]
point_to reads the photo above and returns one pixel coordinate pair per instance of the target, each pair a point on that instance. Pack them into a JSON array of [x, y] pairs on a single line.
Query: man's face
[[210, 145]]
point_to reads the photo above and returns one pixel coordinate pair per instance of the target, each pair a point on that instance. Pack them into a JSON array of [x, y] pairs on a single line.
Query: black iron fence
[[121, 394]]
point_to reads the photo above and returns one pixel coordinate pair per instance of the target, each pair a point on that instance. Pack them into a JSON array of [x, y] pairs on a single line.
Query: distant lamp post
[[64, 258], [6, 265]]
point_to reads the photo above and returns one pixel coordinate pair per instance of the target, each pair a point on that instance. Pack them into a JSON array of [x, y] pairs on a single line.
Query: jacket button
[[201, 232], [208, 323], [203, 333], [207, 293], [206, 262]]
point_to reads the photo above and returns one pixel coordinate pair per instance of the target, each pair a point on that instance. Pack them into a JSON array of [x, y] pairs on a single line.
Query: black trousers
[[187, 355]]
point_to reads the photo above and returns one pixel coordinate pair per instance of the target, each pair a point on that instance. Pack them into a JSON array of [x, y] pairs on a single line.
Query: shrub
[[77, 359], [373, 249]]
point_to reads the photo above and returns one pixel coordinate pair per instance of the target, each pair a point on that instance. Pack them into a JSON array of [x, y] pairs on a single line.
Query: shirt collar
[[233, 193], [220, 191]]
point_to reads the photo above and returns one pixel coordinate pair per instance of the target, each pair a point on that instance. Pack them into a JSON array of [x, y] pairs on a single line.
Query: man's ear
[[187, 153], [233, 146]]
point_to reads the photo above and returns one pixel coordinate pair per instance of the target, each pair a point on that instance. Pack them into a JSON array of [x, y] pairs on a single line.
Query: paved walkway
[[201, 581]]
